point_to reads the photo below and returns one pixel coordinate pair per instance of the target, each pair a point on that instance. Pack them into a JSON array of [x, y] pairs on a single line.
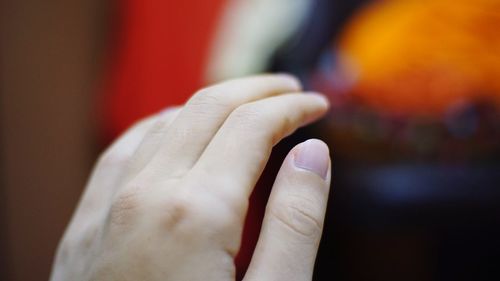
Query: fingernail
[[294, 81], [313, 155], [319, 96]]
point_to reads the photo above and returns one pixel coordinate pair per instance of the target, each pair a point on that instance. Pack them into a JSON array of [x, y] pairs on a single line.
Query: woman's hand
[[167, 201]]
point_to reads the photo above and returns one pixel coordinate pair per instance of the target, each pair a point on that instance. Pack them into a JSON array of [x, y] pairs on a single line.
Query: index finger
[[236, 156]]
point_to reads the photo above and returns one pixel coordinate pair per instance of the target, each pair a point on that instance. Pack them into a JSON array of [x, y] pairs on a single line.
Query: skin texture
[[168, 199]]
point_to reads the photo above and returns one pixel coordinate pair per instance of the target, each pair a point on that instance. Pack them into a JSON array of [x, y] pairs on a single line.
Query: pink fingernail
[[313, 155]]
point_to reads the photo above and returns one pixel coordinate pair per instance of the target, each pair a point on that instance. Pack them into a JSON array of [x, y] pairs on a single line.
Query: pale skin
[[167, 200]]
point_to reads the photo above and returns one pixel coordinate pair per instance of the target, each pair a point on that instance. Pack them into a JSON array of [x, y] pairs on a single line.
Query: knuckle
[[249, 115], [287, 123], [284, 126], [219, 223], [267, 126], [213, 96], [222, 192], [299, 216], [124, 207], [89, 236], [174, 214], [214, 204], [222, 219], [213, 213]]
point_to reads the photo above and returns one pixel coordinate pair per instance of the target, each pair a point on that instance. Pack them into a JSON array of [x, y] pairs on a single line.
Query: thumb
[[293, 222]]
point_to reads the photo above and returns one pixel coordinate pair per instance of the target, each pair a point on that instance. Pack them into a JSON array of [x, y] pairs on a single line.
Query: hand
[[167, 201]]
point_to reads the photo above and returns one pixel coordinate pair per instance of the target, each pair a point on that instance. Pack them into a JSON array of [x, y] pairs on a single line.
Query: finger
[[206, 111], [238, 153], [295, 212], [152, 140]]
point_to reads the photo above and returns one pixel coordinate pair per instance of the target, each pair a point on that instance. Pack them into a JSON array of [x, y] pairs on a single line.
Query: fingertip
[[292, 79], [321, 97]]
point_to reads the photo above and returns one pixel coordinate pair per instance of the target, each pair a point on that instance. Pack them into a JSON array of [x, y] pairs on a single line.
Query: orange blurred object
[[424, 56]]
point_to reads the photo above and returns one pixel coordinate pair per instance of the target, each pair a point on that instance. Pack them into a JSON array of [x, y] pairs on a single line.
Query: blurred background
[[414, 127]]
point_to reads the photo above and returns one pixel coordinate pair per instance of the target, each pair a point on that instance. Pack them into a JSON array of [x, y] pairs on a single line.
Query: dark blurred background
[[50, 60], [414, 126]]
